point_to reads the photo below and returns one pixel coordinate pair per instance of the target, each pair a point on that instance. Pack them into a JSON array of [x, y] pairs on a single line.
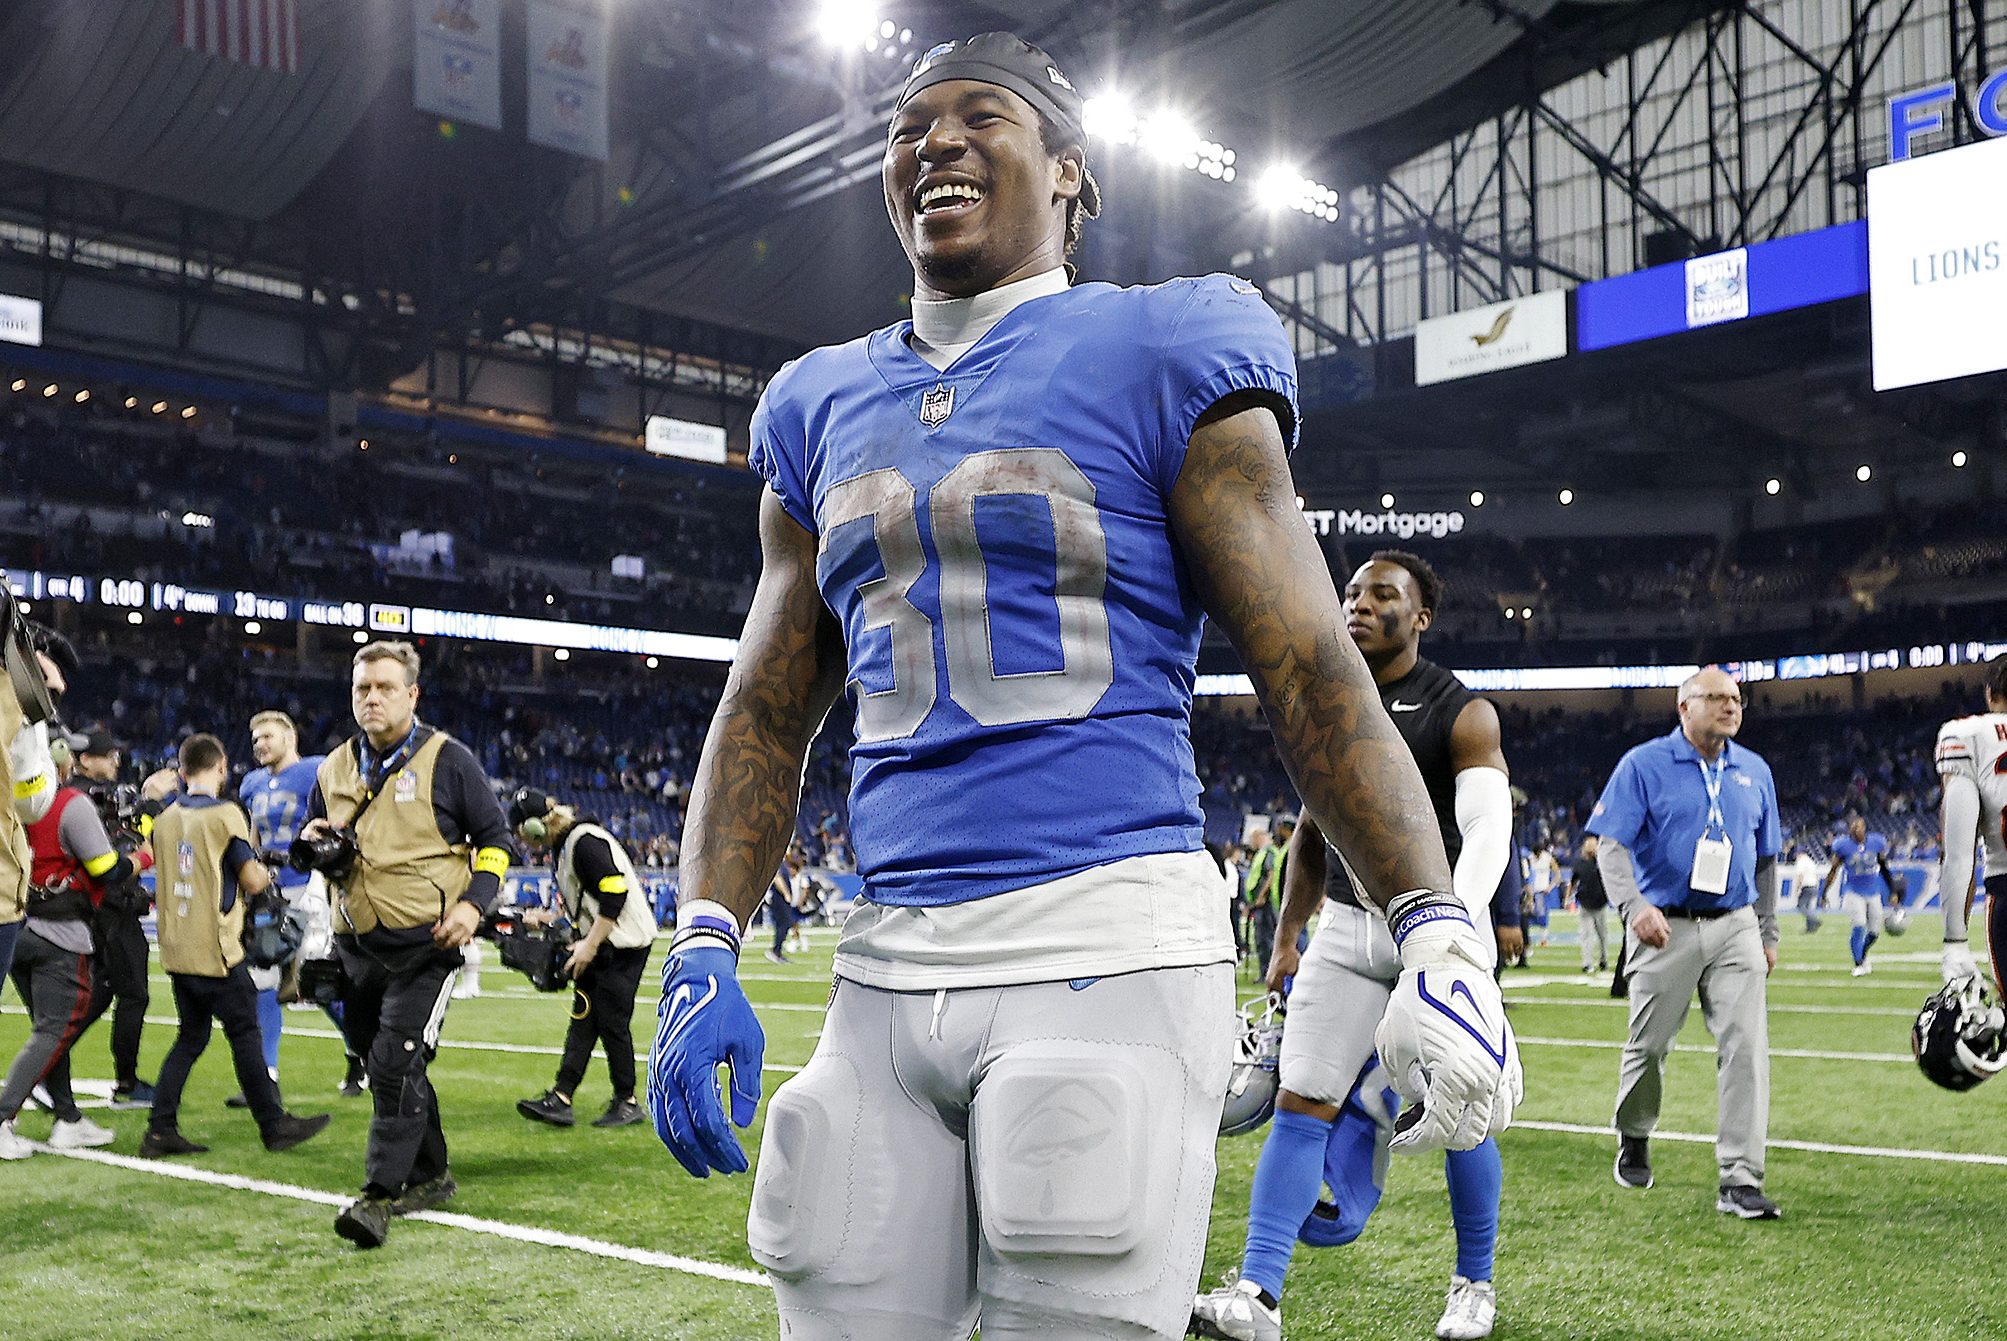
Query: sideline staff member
[[1688, 849], [431, 846], [207, 869], [600, 895]]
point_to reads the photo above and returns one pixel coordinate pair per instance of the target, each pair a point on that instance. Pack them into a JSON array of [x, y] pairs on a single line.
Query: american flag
[[264, 33]]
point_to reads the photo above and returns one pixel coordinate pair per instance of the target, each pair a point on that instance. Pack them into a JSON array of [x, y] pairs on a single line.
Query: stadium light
[[549, 599], [562, 654], [253, 626], [1284, 187], [1771, 486], [20, 384], [363, 445], [1566, 496], [50, 389], [160, 407], [131, 401], [197, 520], [1864, 474], [188, 412], [1477, 498], [83, 394], [1108, 116], [1526, 612], [1510, 613], [1386, 500], [845, 23], [134, 617], [359, 637], [1958, 459], [653, 662]]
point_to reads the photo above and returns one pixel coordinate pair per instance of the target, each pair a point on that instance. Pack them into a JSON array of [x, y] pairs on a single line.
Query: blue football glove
[[704, 1020]]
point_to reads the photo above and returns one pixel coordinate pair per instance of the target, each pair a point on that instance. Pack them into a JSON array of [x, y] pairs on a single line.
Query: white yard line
[[1812, 1054], [548, 1238], [1612, 1003], [1815, 1147]]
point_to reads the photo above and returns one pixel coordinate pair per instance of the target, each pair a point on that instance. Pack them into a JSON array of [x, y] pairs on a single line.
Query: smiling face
[[974, 195], [1383, 610]]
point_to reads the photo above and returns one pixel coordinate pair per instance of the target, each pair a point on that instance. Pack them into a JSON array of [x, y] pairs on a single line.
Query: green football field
[[1894, 1192]]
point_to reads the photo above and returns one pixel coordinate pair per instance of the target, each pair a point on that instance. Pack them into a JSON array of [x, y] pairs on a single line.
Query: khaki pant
[[1722, 960]]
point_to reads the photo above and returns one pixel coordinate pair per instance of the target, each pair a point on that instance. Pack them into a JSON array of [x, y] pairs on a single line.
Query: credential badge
[[937, 405]]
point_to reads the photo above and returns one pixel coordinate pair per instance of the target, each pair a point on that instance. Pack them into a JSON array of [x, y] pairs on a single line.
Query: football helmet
[[1251, 1091], [1960, 1035]]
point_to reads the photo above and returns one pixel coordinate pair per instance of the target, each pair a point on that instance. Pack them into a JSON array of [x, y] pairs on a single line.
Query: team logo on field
[[937, 405]]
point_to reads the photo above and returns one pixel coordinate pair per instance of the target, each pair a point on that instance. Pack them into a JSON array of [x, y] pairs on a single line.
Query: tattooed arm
[[787, 672], [1261, 578]]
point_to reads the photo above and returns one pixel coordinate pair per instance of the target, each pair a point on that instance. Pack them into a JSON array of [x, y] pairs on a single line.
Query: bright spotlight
[[1864, 474], [253, 626], [1510, 613], [1958, 459], [653, 662], [1566, 496], [550, 599], [1277, 188], [886, 29], [160, 407], [131, 401], [358, 636], [1108, 116], [50, 389], [1772, 486], [134, 617], [846, 23], [562, 654], [188, 412], [83, 395], [1168, 138], [1477, 498], [1526, 612], [1386, 500], [20, 384]]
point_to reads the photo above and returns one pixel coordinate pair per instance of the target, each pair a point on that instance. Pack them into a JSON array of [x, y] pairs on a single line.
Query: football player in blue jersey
[[275, 795], [1861, 859], [997, 528]]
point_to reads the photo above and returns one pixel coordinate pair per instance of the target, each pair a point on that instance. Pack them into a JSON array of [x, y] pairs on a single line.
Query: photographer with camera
[[119, 962], [27, 704], [73, 863], [599, 896], [407, 830], [209, 874]]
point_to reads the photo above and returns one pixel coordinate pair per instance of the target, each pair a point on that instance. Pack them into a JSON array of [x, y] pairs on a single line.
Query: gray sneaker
[[1746, 1203], [1239, 1310]]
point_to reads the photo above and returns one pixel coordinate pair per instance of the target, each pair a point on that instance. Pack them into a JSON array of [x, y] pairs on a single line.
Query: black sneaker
[[352, 1084], [1634, 1162], [1747, 1203], [365, 1222], [237, 1100], [620, 1113], [290, 1131], [138, 1095], [547, 1107], [425, 1196], [155, 1144]]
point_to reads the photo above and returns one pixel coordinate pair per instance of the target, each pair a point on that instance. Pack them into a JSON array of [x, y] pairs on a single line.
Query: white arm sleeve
[[1961, 837], [1484, 818], [34, 772]]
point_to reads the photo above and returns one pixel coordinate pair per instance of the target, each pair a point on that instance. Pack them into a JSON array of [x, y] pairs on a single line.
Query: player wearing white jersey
[[1972, 760]]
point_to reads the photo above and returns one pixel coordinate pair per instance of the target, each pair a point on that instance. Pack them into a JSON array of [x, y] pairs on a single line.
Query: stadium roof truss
[[1738, 122]]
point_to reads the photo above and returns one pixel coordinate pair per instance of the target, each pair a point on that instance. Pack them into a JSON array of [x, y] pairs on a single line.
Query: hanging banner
[[456, 60], [567, 54], [1512, 334], [1937, 250]]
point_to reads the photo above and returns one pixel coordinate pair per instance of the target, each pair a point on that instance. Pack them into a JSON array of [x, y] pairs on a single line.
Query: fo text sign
[[1921, 112]]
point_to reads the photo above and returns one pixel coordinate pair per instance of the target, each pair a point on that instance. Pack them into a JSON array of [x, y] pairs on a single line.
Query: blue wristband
[[1429, 907]]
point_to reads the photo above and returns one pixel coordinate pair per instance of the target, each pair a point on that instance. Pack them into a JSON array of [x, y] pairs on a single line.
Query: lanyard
[[1712, 781], [389, 764]]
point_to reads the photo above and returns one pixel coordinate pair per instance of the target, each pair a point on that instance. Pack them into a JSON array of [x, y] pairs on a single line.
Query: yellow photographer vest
[[196, 936], [408, 874]]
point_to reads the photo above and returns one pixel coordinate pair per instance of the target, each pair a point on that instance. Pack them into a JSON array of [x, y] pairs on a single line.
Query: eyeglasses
[[1713, 700]]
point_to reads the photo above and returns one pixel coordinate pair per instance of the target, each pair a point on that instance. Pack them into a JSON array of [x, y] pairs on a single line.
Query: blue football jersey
[[995, 542], [277, 804], [1861, 862]]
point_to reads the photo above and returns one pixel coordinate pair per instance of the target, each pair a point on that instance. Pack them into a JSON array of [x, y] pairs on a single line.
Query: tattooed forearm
[[1261, 578], [787, 673]]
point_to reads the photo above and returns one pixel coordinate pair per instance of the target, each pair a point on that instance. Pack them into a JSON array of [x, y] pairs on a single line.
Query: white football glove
[[1958, 962], [1444, 1035]]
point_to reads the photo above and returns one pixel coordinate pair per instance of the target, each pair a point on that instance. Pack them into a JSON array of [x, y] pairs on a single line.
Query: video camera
[[19, 641], [536, 952]]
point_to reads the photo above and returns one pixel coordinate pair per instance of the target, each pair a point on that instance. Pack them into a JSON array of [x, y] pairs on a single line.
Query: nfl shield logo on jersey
[[937, 405]]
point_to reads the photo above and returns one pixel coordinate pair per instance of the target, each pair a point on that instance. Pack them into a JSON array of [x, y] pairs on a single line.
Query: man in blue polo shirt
[[1688, 850]]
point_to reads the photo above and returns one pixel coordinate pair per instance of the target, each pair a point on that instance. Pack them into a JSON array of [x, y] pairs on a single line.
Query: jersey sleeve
[[1956, 757], [1620, 811], [779, 450], [1223, 339]]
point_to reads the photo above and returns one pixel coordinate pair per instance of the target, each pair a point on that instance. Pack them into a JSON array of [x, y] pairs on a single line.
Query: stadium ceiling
[[738, 216]]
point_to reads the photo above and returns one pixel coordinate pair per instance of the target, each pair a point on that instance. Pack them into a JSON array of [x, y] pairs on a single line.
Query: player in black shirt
[[1333, 1090]]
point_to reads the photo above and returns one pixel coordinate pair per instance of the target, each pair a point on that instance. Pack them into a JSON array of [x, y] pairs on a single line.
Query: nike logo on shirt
[[1398, 706]]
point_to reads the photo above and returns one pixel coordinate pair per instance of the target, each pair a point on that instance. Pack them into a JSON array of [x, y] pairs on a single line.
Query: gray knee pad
[[1083, 1180], [817, 1183]]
